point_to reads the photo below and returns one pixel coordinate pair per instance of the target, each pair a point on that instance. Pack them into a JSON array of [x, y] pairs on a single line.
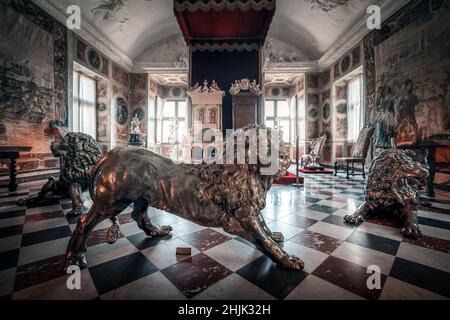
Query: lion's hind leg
[[144, 222]]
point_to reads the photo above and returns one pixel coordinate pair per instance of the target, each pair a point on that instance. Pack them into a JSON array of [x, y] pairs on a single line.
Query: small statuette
[[135, 132]]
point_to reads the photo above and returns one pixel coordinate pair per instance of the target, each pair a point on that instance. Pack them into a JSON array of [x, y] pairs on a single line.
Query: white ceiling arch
[[126, 29]]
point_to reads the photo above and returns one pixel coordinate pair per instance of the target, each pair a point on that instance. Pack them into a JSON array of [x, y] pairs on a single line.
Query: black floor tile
[[434, 223], [267, 275], [374, 242], [339, 221], [422, 276], [121, 271], [13, 213], [31, 238], [322, 208], [11, 231], [8, 259]]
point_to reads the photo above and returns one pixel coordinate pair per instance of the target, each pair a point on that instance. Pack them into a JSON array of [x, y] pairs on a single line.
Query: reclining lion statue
[[78, 153], [392, 187], [228, 195]]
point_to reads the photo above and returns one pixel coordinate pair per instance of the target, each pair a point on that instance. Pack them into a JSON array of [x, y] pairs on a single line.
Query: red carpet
[[289, 178], [319, 170]]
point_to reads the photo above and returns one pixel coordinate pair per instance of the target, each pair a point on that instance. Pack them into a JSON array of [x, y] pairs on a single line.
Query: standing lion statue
[[229, 195], [78, 153], [392, 187]]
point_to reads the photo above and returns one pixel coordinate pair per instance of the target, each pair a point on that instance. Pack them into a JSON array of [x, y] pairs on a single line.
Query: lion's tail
[[95, 173]]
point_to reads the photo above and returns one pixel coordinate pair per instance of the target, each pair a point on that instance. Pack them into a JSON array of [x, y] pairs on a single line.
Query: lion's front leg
[[254, 232], [359, 215], [274, 235], [410, 227], [77, 204]]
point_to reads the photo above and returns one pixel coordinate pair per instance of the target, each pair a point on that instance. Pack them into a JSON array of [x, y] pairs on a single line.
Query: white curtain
[[354, 108], [84, 105]]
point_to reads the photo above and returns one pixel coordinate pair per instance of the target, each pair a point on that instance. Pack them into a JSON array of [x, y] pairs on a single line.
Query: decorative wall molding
[[212, 47], [357, 33], [89, 33], [229, 5]]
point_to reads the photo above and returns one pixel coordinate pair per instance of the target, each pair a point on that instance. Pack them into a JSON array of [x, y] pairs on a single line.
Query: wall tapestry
[[408, 75]]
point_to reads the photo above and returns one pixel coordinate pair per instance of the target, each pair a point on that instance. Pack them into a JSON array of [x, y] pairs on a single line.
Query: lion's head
[[243, 172], [394, 178], [78, 153]]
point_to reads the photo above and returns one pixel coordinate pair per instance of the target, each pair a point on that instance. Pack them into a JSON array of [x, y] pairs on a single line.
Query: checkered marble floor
[[222, 266]]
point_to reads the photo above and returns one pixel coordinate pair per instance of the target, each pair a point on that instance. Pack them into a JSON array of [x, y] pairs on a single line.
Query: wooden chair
[[359, 154]]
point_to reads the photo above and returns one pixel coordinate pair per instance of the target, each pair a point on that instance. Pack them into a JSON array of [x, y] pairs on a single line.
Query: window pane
[[354, 108], [269, 108], [166, 131], [270, 124], [158, 131], [84, 110], [182, 109], [181, 131], [282, 108], [169, 109], [284, 124]]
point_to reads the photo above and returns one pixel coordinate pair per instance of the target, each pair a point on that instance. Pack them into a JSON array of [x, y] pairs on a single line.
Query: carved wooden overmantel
[[245, 95], [206, 104]]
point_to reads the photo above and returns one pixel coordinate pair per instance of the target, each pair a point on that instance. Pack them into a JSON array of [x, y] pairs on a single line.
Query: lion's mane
[[82, 154], [394, 179], [233, 185]]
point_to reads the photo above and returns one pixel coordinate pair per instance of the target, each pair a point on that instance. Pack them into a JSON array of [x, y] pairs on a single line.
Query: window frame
[[354, 137], [163, 119], [75, 112], [290, 118]]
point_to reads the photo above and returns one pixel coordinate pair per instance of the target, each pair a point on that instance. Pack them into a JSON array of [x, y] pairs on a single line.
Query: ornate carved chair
[[359, 154], [311, 159]]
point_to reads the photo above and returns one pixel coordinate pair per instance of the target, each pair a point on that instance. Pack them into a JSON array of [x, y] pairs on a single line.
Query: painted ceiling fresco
[[135, 25]]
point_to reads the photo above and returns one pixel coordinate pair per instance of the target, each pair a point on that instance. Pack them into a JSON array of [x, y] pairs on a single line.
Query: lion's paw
[[411, 230], [277, 237], [75, 212], [353, 219], [293, 262], [72, 259]]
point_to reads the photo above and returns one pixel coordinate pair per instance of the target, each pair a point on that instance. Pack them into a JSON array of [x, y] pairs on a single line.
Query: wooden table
[[12, 153], [430, 160]]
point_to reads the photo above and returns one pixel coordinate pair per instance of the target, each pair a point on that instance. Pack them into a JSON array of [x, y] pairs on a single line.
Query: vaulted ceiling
[[135, 25]]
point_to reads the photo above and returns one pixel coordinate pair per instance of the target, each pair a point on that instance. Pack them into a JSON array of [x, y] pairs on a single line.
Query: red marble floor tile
[[349, 276], [430, 243], [125, 218], [317, 241], [66, 205], [37, 272], [43, 216], [387, 221], [205, 239], [193, 275]]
